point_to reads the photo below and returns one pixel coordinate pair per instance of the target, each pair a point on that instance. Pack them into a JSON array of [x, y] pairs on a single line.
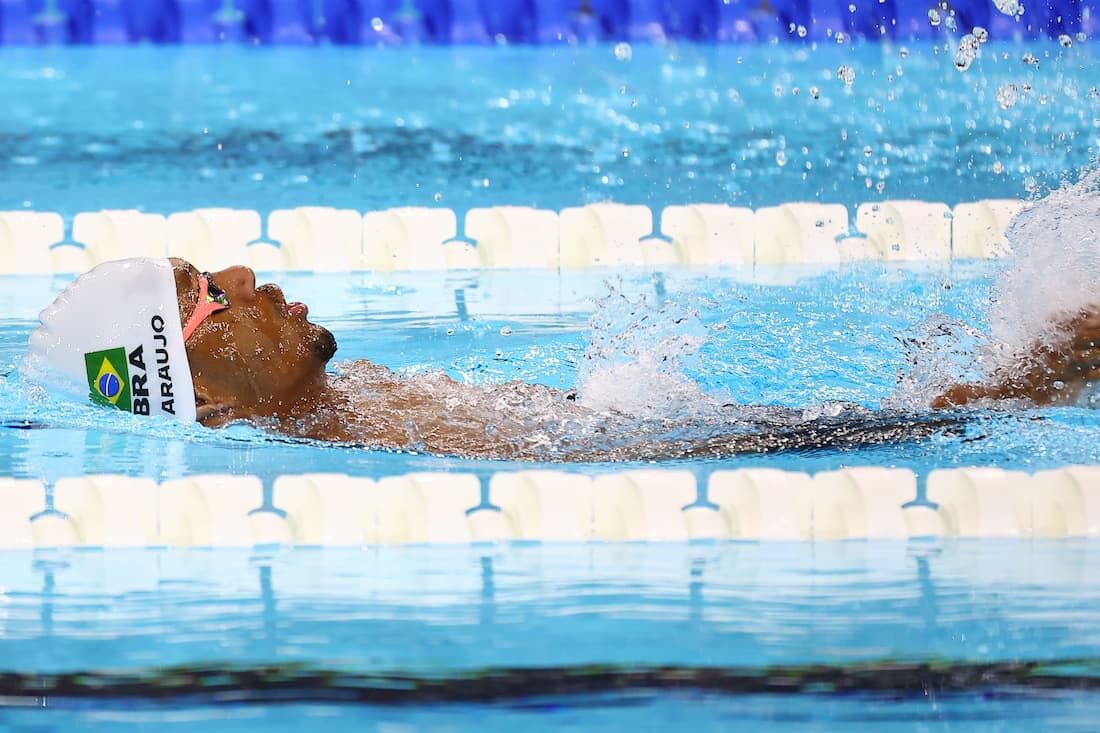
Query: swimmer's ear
[[209, 411]]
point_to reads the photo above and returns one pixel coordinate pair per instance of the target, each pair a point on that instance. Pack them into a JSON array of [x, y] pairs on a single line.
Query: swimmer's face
[[259, 357]]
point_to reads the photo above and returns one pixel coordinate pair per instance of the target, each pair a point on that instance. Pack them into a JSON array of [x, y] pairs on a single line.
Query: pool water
[[169, 129], [462, 613], [842, 336], [788, 337]]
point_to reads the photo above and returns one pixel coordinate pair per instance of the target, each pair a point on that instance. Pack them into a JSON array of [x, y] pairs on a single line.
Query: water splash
[[637, 359], [1054, 270], [942, 354]]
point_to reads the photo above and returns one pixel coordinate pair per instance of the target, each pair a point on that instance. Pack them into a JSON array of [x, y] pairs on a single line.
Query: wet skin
[[1055, 372], [256, 359], [262, 361]]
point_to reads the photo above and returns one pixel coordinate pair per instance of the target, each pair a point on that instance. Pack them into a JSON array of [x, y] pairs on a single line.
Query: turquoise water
[[168, 129], [419, 611], [456, 613], [370, 128], [829, 337]]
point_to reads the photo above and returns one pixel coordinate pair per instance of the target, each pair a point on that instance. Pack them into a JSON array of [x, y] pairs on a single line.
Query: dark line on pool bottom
[[22, 424], [299, 684]]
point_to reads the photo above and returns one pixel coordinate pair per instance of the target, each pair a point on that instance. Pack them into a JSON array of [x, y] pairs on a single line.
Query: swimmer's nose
[[238, 282]]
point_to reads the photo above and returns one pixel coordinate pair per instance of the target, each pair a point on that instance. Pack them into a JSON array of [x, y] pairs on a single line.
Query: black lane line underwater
[[22, 424], [295, 683]]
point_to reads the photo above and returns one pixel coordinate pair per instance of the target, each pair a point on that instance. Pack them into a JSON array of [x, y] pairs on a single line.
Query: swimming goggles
[[211, 300]]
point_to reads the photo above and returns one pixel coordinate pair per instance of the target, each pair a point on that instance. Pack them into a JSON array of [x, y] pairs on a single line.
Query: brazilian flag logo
[[109, 378]]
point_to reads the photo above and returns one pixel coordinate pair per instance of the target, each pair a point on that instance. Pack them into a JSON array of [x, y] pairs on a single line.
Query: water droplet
[[840, 38], [377, 24], [1007, 96], [981, 34], [1009, 7], [1065, 40], [801, 31], [934, 17], [867, 151], [438, 197], [623, 51], [781, 158], [967, 51], [851, 7], [505, 331], [998, 167], [1031, 59], [903, 52], [815, 92], [626, 152], [450, 332], [847, 75]]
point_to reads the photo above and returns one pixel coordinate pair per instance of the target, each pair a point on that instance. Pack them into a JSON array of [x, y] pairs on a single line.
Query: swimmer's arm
[[1053, 373]]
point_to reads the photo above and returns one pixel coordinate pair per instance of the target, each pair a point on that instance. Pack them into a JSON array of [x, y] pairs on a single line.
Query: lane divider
[[655, 505], [322, 239]]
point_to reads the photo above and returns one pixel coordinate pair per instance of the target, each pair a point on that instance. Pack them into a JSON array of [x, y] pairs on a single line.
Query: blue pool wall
[[372, 22]]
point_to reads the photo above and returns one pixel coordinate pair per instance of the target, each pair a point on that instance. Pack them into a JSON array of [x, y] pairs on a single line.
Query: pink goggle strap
[[206, 308]]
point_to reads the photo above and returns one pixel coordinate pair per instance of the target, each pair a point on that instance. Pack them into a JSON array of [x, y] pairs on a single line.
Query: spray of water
[[1054, 271], [638, 355]]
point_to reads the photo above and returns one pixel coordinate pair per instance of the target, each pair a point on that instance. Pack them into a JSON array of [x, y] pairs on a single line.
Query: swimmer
[[159, 337]]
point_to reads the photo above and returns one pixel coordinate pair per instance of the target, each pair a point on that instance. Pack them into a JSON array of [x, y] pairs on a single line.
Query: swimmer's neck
[[366, 404], [371, 406]]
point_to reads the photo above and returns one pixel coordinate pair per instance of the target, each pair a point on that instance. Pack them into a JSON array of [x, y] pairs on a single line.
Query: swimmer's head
[[157, 337], [260, 356]]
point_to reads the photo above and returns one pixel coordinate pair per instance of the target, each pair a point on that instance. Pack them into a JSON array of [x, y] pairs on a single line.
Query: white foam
[[635, 361], [1055, 270]]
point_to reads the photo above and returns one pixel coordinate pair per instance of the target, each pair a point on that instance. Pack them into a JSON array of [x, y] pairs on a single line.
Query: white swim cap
[[114, 337]]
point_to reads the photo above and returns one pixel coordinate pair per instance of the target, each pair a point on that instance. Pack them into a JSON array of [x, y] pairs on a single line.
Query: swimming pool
[[171, 129], [755, 350]]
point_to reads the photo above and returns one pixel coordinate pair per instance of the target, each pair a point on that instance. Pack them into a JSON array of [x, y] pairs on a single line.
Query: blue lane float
[[374, 22]]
